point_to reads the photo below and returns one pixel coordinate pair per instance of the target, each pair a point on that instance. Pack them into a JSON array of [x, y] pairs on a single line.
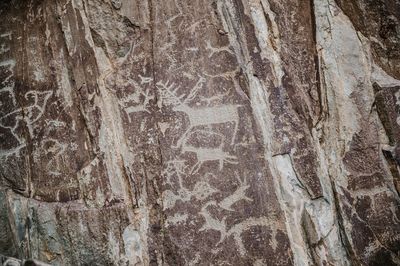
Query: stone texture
[[8, 261], [225, 132]]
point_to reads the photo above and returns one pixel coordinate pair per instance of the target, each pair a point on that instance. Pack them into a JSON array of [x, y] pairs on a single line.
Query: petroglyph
[[238, 195], [236, 230], [199, 116], [202, 190], [227, 203], [7, 83], [54, 149], [140, 105], [145, 80], [217, 50], [36, 110], [29, 114], [12, 120], [206, 154], [212, 223], [176, 219], [140, 99]]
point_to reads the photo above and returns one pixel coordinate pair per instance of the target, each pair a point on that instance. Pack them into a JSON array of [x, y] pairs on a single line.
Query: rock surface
[[7, 261], [226, 132]]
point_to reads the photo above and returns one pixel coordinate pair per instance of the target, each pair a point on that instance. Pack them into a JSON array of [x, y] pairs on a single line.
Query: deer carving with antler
[[208, 154], [198, 116]]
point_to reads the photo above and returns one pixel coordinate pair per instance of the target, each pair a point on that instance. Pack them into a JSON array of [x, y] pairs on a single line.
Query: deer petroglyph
[[140, 98], [206, 154], [201, 190], [140, 107], [236, 230], [238, 195], [198, 116]]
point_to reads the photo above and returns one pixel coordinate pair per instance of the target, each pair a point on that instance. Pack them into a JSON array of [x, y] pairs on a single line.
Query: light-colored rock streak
[[268, 37], [345, 68], [294, 200], [348, 74], [112, 142], [294, 197], [133, 245], [320, 225]]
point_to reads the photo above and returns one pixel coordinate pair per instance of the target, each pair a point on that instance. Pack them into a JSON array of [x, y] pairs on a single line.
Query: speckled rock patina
[[225, 132]]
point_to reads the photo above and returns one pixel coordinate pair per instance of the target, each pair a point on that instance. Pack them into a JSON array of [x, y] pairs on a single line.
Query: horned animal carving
[[200, 116], [206, 154], [139, 107], [28, 114]]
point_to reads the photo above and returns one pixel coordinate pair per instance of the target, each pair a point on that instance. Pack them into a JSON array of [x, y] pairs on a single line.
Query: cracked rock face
[[258, 132]]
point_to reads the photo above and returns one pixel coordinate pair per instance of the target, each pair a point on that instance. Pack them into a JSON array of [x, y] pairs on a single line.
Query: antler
[[168, 93], [147, 97], [145, 80], [195, 89], [219, 97]]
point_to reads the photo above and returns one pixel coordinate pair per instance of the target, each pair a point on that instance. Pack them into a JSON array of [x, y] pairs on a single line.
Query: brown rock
[[199, 132]]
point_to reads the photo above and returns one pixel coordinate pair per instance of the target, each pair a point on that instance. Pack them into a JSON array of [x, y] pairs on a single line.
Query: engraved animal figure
[[199, 116], [205, 154], [140, 107], [31, 113], [176, 170], [145, 80], [238, 195], [237, 229]]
